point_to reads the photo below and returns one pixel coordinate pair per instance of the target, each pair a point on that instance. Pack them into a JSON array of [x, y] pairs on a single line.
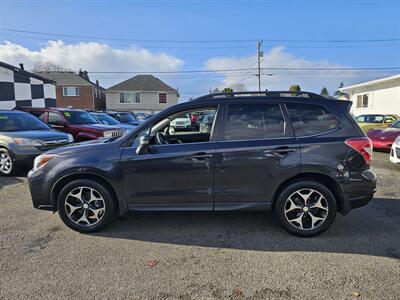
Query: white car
[[181, 123], [395, 151]]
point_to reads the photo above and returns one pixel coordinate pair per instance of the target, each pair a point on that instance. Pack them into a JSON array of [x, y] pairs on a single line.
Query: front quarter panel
[[101, 162]]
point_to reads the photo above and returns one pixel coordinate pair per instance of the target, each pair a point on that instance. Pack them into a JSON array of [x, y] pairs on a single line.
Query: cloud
[[91, 56], [282, 79]]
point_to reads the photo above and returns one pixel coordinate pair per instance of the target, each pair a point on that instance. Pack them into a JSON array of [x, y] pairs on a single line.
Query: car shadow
[[10, 180], [4, 181], [372, 230]]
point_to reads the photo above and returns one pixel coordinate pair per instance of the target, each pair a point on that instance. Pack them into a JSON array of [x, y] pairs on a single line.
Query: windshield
[[105, 119], [76, 117], [396, 125], [370, 119], [13, 121], [125, 117]]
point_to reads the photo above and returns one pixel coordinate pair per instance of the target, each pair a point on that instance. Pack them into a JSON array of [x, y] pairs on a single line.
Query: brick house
[[142, 93], [73, 90]]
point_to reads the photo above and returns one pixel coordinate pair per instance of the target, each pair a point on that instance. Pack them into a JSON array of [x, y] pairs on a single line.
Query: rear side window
[[254, 121], [308, 119]]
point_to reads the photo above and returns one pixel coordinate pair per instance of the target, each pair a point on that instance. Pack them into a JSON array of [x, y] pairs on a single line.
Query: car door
[[174, 176], [256, 151], [56, 120]]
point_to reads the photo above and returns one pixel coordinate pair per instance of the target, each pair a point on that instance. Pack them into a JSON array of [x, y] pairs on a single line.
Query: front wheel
[[6, 163], [306, 208], [85, 205]]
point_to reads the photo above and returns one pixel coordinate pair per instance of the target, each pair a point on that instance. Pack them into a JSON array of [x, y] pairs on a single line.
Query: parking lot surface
[[242, 255]]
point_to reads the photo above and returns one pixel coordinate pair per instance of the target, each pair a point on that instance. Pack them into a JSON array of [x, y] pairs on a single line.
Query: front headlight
[[397, 140], [70, 138], [41, 160], [27, 142]]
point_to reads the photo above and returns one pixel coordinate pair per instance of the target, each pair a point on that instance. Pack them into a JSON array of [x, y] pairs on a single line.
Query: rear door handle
[[280, 150]]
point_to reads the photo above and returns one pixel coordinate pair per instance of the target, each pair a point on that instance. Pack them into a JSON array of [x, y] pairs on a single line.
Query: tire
[[306, 208], [7, 166], [85, 205]]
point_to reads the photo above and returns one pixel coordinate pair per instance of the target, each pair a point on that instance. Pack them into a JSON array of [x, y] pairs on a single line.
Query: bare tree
[[46, 66]]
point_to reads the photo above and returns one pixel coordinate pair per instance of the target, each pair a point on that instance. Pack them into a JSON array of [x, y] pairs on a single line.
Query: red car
[[382, 139], [77, 122]]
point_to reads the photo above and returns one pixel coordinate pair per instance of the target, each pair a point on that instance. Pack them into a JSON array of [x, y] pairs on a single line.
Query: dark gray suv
[[299, 154], [23, 137]]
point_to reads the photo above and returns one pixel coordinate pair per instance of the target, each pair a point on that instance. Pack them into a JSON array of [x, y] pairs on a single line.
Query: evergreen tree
[[324, 92]]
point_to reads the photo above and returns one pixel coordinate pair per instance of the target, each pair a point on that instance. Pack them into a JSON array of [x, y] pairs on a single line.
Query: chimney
[[21, 66], [97, 82]]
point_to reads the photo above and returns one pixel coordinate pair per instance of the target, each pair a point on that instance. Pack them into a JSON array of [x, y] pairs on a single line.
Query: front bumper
[[24, 155], [395, 154], [41, 182]]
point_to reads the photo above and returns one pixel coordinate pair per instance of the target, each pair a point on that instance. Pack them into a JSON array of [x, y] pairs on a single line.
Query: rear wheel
[[85, 205], [306, 208], [6, 163]]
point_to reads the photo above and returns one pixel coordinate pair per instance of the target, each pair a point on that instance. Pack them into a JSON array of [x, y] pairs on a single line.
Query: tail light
[[362, 145]]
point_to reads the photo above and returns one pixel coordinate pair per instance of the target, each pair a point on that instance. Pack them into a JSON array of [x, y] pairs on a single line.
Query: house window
[[129, 97], [362, 100], [71, 91], [162, 98]]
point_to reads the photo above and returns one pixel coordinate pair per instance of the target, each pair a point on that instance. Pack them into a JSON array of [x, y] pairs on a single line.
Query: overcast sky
[[209, 35]]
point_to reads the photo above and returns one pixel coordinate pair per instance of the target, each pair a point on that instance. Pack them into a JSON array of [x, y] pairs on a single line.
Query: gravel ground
[[201, 255]]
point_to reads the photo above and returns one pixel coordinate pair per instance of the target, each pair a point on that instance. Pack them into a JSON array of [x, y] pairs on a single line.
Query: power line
[[200, 41], [195, 48], [245, 69]]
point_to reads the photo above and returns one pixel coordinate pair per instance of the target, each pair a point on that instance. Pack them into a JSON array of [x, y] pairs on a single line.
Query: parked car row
[[26, 132], [384, 132], [23, 137]]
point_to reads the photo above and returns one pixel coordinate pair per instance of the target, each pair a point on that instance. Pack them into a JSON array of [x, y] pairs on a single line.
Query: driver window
[[184, 127]]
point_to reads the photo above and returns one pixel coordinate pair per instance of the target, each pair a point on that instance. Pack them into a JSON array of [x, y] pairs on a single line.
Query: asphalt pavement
[[242, 255]]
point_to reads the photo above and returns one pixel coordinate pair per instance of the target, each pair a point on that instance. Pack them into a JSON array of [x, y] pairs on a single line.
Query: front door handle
[[201, 156]]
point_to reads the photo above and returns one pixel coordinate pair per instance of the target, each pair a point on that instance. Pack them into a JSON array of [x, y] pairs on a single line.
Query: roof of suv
[[269, 94]]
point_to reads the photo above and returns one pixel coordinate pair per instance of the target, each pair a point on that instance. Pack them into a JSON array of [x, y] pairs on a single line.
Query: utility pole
[[259, 55]]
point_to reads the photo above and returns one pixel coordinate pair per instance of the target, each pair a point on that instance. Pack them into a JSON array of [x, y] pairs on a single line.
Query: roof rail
[[263, 93]]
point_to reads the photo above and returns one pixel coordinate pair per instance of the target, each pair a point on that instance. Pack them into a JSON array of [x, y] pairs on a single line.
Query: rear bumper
[[359, 191]]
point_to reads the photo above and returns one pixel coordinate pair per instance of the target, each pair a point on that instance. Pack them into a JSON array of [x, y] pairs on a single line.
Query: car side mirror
[[144, 145]]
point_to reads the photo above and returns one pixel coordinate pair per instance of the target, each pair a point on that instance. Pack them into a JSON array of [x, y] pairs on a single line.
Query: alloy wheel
[[85, 206], [5, 163], [306, 209]]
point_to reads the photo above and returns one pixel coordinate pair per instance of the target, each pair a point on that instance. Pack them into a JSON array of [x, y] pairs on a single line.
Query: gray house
[[142, 93]]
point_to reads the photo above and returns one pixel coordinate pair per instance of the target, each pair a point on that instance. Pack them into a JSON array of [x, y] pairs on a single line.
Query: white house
[[142, 93], [380, 96], [21, 88]]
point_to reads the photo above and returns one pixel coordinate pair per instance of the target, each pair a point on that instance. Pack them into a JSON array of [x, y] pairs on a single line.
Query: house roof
[[394, 78], [23, 72], [142, 83], [66, 78]]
